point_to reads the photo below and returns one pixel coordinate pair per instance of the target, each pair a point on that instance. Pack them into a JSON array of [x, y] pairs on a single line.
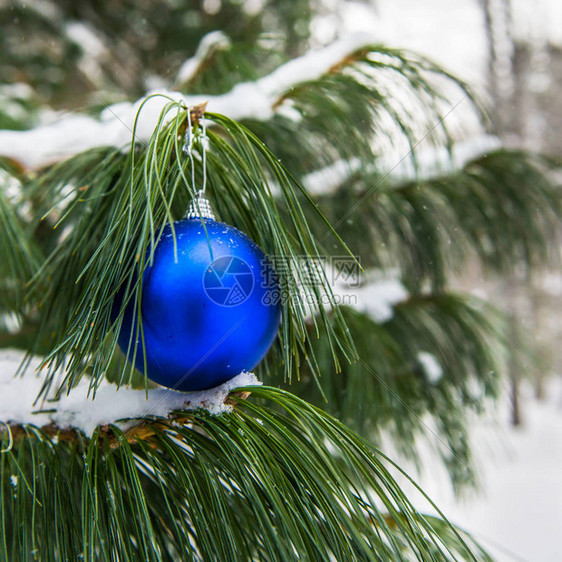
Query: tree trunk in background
[[501, 68], [502, 82], [514, 366]]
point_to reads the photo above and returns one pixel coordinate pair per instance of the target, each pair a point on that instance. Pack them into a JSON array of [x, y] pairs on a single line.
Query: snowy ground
[[517, 513]]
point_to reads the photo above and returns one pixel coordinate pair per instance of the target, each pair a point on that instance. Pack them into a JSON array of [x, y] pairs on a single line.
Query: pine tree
[[347, 157]]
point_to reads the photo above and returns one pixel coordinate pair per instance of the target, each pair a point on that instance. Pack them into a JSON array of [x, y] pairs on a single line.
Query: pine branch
[[346, 91], [219, 64], [390, 390], [19, 257], [374, 100], [510, 209], [265, 473], [504, 207]]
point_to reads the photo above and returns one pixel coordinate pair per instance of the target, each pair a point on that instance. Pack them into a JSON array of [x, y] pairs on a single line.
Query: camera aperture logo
[[228, 281]]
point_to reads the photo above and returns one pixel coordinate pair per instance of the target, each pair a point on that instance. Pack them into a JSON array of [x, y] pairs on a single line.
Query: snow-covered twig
[[257, 100], [212, 42], [77, 411], [431, 162]]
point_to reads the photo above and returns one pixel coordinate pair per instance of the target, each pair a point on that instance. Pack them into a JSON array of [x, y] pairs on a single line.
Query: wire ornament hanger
[[199, 207]]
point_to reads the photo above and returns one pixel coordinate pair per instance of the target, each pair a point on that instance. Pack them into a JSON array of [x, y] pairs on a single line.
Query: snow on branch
[[375, 298], [77, 411], [72, 134], [397, 167], [375, 294], [212, 42], [431, 366]]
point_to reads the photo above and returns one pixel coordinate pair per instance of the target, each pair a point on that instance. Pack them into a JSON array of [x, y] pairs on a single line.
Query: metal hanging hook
[[199, 206]]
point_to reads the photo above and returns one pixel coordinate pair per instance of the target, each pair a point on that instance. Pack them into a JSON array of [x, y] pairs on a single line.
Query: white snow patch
[[375, 297], [378, 298], [10, 321], [92, 50], [431, 162], [78, 411], [253, 7], [435, 161], [431, 366], [17, 90], [328, 179], [537, 21], [551, 283], [452, 33], [49, 10], [86, 38], [214, 41], [11, 186], [287, 109], [76, 133], [313, 64]]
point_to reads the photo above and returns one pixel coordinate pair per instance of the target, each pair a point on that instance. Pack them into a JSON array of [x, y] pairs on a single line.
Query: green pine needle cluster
[[502, 208], [377, 99], [387, 391]]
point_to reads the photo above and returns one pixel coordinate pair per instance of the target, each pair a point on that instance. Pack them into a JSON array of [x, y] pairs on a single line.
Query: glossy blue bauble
[[209, 307]]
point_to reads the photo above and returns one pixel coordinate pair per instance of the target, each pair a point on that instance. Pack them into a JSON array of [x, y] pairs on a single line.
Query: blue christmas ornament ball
[[209, 307]]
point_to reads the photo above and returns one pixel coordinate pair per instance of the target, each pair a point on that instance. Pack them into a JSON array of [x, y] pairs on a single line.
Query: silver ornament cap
[[200, 208]]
